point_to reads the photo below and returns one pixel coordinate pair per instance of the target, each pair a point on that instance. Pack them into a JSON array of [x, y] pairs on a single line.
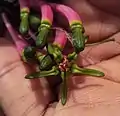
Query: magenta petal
[[47, 13], [18, 40], [24, 3], [68, 12], [60, 38]]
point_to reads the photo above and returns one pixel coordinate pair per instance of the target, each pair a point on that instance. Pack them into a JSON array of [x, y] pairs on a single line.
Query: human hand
[[87, 96]]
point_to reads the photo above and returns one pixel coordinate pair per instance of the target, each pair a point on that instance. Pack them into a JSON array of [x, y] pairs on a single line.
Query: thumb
[[20, 96]]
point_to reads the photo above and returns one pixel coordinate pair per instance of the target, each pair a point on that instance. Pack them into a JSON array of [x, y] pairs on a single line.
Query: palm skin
[[87, 96]]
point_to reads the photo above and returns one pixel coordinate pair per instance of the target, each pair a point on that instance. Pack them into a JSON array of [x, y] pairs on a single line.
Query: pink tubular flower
[[76, 26], [26, 52], [68, 12], [47, 14], [44, 28], [24, 4], [18, 40], [60, 39], [56, 48]]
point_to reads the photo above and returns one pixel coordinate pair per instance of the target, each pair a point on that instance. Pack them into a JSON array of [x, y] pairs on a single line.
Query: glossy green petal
[[55, 52], [53, 72], [39, 56], [24, 24], [46, 63], [43, 35], [78, 38], [85, 71], [63, 88], [28, 53]]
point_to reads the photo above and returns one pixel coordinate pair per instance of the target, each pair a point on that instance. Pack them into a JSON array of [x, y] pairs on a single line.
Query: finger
[[19, 96], [110, 67], [97, 53], [110, 7]]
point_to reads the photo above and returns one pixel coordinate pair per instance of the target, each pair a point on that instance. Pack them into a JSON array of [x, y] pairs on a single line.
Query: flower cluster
[[52, 62]]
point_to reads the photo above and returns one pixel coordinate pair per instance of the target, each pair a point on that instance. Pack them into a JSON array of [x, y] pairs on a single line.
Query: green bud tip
[[24, 24], [28, 53], [43, 34], [78, 38]]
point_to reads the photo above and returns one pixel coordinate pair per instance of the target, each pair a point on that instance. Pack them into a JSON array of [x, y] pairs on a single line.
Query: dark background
[[11, 7]]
